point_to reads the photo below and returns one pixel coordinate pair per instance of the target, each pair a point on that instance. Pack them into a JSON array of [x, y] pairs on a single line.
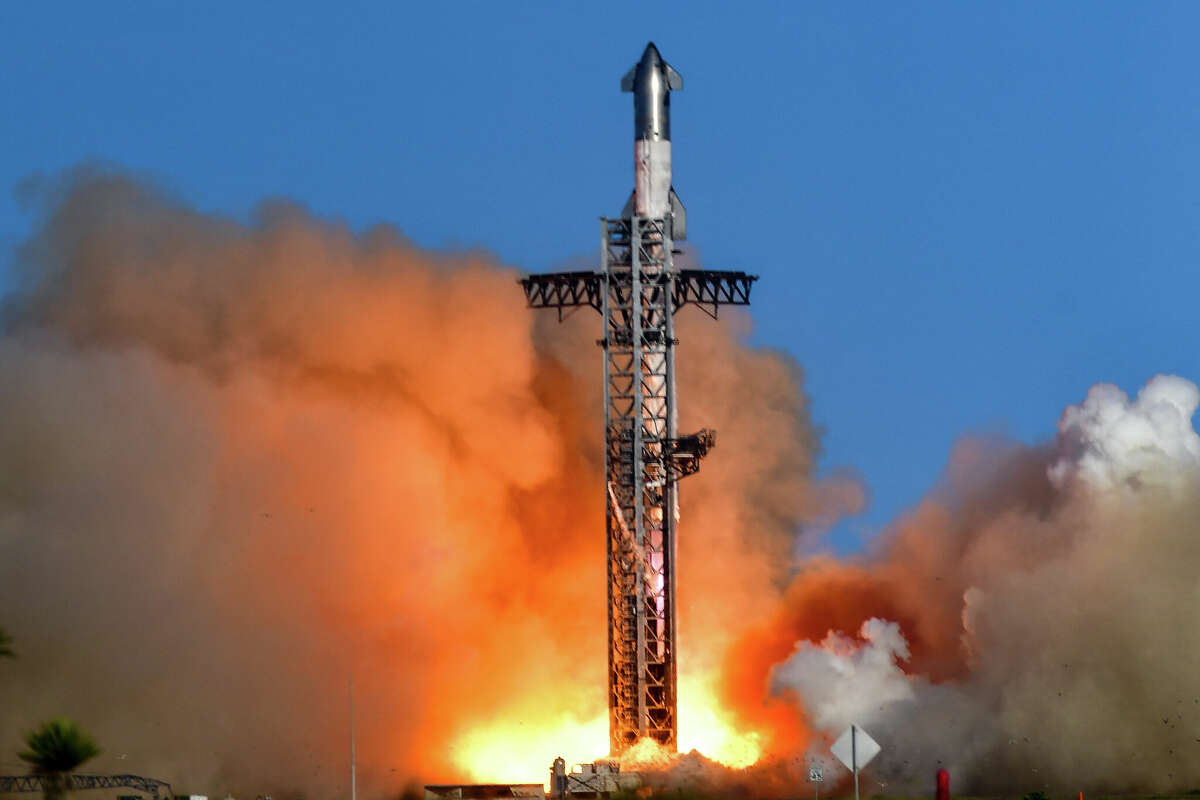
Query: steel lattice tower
[[637, 291]]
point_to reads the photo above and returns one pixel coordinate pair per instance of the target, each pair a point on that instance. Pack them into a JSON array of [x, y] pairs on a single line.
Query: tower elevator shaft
[[641, 426]]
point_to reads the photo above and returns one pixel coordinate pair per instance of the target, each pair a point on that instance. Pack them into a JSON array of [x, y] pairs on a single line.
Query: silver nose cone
[[650, 57], [652, 80]]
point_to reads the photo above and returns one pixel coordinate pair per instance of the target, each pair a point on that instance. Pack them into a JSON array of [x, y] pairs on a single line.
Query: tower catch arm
[[708, 289]]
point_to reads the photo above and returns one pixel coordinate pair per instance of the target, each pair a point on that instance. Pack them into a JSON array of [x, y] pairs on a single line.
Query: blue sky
[[963, 214]]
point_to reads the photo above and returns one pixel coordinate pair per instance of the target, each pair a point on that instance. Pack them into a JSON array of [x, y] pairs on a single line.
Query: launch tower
[[637, 291]]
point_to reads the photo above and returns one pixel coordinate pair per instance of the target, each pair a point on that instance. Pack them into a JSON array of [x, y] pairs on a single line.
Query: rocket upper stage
[[652, 80]]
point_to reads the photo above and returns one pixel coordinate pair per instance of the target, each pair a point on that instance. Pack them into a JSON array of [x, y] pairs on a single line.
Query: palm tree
[[6, 650], [57, 749]]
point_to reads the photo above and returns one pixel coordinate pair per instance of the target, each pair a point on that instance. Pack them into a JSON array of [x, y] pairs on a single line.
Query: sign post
[[855, 748], [816, 774]]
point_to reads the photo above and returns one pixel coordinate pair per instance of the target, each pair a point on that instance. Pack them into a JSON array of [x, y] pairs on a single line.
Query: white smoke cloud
[[1109, 441], [844, 681]]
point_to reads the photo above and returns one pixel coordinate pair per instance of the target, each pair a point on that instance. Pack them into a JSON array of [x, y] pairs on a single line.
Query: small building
[[484, 791], [597, 779]]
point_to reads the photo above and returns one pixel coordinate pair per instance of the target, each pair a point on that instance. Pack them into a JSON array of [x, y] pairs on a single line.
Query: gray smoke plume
[[1076, 632]]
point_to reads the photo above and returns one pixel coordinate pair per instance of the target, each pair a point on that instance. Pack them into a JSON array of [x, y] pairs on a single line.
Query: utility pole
[[353, 787], [854, 756]]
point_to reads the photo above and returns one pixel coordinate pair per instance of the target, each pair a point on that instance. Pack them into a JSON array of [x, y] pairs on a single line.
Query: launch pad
[[637, 290]]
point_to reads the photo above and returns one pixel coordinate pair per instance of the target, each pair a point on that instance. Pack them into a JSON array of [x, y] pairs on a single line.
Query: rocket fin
[[627, 81], [627, 211], [674, 79], [679, 217]]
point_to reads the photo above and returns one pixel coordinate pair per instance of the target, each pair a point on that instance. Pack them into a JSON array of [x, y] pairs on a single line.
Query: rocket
[[652, 80]]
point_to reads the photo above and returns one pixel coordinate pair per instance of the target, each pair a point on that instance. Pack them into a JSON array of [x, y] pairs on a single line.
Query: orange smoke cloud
[[245, 461]]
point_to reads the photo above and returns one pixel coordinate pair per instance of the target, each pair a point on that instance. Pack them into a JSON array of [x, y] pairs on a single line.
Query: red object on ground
[[943, 785]]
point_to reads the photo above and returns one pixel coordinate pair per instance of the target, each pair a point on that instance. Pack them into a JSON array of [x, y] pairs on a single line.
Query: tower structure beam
[[637, 292], [706, 289]]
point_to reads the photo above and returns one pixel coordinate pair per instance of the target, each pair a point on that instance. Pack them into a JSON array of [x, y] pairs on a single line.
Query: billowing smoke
[[1030, 626], [240, 463]]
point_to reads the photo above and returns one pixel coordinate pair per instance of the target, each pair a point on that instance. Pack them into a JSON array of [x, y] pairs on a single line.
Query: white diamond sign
[[855, 748]]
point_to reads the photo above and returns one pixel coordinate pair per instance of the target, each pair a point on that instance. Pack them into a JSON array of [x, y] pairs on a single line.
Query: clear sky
[[963, 214]]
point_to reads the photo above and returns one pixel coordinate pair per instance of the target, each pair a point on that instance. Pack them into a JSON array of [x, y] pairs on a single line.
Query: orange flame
[[519, 749]]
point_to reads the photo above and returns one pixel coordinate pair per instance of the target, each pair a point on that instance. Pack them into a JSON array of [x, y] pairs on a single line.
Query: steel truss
[[708, 289], [637, 292]]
